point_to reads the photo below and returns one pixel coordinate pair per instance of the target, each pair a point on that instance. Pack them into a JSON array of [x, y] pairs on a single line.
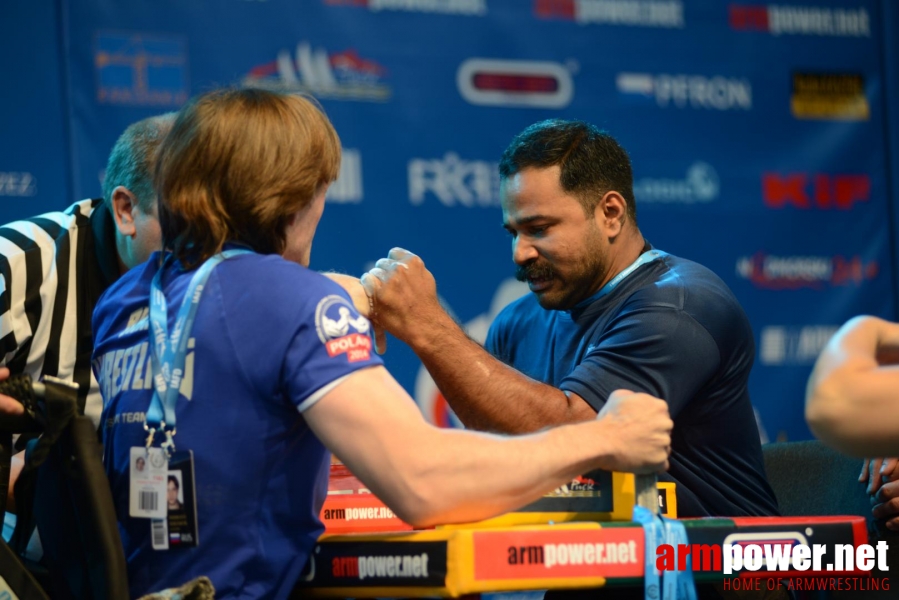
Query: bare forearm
[[489, 475], [429, 475], [485, 393], [852, 401]]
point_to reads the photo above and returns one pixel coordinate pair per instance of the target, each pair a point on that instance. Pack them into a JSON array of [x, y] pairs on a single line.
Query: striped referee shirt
[[53, 268]]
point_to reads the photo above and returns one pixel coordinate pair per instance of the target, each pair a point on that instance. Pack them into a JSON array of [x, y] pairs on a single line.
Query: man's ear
[[610, 213], [123, 204]]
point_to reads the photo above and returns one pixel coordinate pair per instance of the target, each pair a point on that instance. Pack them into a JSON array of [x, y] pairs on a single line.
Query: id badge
[[179, 527], [147, 483]]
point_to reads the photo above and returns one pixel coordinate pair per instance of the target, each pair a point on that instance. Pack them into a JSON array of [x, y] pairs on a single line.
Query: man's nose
[[523, 251]]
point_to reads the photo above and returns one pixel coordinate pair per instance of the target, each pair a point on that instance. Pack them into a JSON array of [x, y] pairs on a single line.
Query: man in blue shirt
[[607, 312]]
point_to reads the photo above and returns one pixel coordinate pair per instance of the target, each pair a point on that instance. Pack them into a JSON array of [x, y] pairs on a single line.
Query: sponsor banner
[[699, 185], [472, 8], [19, 184], [609, 552], [589, 493], [829, 96], [781, 345], [348, 187], [664, 14], [335, 76], [773, 272], [815, 190], [683, 91], [537, 557], [141, 69], [374, 564], [785, 19], [515, 83], [453, 181]]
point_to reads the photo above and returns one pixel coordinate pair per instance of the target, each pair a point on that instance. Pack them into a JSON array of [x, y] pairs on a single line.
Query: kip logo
[[796, 272], [340, 331], [778, 19], [141, 69], [677, 90], [666, 14], [820, 191], [340, 76], [515, 83]]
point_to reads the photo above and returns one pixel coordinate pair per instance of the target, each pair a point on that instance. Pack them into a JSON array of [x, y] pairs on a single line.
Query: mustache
[[534, 270]]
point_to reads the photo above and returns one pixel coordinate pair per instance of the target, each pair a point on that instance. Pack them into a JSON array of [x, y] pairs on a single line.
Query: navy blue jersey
[[269, 340], [672, 329]]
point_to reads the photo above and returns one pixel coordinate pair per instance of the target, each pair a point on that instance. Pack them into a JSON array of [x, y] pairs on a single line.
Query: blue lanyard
[[169, 350], [675, 585], [644, 258]]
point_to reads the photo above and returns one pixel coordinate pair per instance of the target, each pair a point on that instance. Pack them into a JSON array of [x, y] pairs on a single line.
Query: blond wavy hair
[[236, 166]]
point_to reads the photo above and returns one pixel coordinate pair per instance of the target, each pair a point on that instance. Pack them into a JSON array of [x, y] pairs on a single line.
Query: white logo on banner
[[635, 13], [688, 91], [348, 187], [428, 397], [454, 181], [455, 7], [17, 183], [699, 185], [781, 345]]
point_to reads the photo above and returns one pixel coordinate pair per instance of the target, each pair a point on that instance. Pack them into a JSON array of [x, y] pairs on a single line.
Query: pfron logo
[[141, 70], [798, 272], [686, 91], [454, 181], [17, 183], [782, 345], [805, 191], [516, 83], [340, 331], [341, 76], [474, 8], [779, 19], [348, 187], [700, 184], [667, 14]]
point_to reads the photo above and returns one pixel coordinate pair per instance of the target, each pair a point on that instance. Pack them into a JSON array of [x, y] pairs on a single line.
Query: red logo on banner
[[753, 18], [559, 9], [815, 191], [796, 272]]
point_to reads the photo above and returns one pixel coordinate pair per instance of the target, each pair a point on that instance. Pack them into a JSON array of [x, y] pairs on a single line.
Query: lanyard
[[674, 585], [169, 350], [644, 258]]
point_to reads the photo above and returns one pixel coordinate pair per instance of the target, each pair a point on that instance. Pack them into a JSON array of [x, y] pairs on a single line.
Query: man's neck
[[623, 253]]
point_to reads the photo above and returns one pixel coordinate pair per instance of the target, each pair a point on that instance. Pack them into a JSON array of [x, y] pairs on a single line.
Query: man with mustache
[[607, 311]]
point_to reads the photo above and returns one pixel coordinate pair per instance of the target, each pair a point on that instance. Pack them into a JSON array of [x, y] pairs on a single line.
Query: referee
[[53, 268]]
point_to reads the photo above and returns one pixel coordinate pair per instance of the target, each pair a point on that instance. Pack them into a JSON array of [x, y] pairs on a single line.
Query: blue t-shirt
[[672, 329], [270, 338]]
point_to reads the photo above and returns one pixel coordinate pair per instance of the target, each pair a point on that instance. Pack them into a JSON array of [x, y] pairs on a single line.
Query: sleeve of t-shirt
[[659, 351], [332, 341]]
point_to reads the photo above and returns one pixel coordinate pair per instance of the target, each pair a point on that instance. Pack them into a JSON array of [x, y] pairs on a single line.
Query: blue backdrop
[[763, 136]]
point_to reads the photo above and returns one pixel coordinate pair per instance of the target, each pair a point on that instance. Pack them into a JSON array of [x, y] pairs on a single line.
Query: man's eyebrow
[[526, 221]]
